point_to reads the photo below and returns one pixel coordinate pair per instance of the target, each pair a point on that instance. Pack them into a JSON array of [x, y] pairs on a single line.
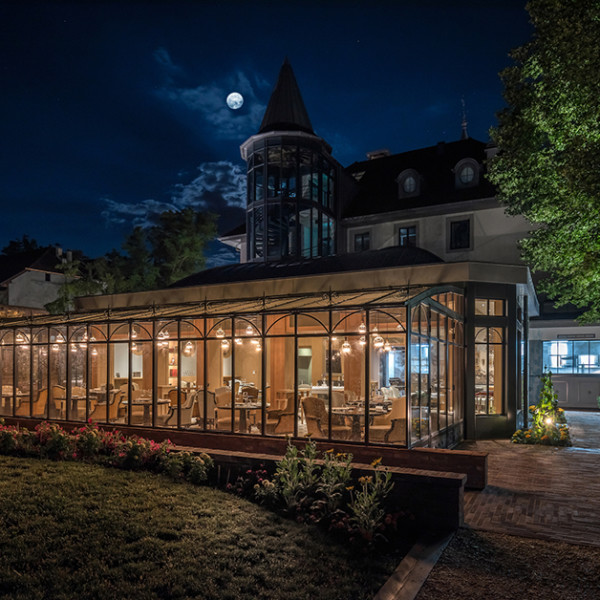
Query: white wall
[[495, 235], [30, 289]]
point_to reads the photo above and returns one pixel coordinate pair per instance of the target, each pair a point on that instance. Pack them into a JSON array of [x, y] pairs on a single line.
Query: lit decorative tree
[[548, 421]]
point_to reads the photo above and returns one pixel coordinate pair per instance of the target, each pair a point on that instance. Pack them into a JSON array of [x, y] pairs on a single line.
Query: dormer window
[[409, 184], [466, 173]]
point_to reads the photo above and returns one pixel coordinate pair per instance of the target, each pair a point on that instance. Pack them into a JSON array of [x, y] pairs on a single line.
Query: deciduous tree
[[548, 165]]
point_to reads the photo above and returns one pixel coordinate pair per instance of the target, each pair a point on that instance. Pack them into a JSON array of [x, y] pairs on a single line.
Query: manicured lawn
[[70, 530]]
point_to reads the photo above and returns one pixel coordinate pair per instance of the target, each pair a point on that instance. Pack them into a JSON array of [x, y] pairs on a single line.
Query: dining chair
[[390, 427], [317, 420]]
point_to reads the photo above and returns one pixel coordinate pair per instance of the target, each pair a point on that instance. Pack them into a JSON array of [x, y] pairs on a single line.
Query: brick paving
[[542, 491]]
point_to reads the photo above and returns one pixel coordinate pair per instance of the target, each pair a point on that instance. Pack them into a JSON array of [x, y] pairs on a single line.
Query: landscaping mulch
[[481, 564]]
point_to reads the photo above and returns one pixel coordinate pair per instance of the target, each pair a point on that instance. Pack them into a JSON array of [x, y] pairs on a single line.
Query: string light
[[346, 347], [362, 328]]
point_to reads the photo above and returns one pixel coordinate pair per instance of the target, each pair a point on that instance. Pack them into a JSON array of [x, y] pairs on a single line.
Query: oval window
[[409, 185], [467, 174]]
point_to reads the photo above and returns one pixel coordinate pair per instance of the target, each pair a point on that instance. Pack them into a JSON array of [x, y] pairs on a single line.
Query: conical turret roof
[[286, 110]]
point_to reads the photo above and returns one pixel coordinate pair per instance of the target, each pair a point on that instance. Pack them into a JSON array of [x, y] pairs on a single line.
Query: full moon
[[235, 100]]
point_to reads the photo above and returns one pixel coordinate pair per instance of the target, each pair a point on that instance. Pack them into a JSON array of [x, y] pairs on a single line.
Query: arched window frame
[[461, 165], [401, 179]]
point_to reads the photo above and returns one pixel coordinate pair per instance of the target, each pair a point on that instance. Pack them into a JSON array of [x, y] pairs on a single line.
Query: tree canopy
[[151, 258], [548, 165]]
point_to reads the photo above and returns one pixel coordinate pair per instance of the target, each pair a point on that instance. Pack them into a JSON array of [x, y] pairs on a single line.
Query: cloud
[[218, 254], [208, 99], [219, 187], [224, 179]]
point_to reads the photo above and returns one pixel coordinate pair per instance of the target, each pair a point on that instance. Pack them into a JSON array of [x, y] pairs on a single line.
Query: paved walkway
[[542, 491]]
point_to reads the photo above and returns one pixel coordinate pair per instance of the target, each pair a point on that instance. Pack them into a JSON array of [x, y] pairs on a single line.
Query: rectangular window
[[362, 241], [489, 307], [489, 370], [460, 234], [407, 236], [568, 357], [48, 277]]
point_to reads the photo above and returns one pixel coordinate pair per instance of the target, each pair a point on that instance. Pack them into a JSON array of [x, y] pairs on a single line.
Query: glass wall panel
[[40, 378], [99, 391], [22, 374], [77, 383], [219, 381], [279, 384], [6, 375], [248, 378]]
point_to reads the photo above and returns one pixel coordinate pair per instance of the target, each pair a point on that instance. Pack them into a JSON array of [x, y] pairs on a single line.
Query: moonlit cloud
[[223, 178], [208, 99], [219, 187], [218, 255]]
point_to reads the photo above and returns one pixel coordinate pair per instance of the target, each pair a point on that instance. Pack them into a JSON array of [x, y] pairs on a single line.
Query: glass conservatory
[[365, 367]]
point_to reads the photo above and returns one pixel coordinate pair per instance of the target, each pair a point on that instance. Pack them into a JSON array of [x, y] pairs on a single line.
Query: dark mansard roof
[[358, 261]]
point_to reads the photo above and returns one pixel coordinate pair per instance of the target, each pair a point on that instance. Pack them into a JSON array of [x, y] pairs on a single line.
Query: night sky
[[114, 111]]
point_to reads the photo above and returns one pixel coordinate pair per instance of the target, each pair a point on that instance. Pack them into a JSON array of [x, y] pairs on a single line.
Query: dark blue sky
[[113, 111]]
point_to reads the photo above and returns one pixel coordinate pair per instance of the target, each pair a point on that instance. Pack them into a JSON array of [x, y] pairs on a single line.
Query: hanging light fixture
[[362, 328], [60, 339], [387, 347], [362, 340], [225, 344], [249, 329], [378, 341], [54, 347], [20, 339], [220, 333], [134, 333], [255, 341], [258, 347], [238, 341], [346, 347], [73, 347], [188, 349], [94, 352]]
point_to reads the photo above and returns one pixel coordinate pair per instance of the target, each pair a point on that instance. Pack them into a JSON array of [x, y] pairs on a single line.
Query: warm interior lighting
[[94, 352], [362, 328], [249, 330], [220, 333], [20, 339], [387, 347], [548, 420], [258, 347], [238, 341], [378, 341], [225, 344], [346, 347], [362, 340], [54, 347], [188, 349]]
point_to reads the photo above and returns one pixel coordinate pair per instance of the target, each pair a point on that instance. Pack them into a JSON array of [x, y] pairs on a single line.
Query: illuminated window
[[467, 174], [407, 236], [489, 370]]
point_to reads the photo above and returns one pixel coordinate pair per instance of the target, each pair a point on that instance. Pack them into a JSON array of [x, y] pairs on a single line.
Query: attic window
[[409, 184], [466, 173], [358, 176]]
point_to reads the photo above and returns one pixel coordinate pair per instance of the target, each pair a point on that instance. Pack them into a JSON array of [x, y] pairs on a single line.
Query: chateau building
[[379, 304]]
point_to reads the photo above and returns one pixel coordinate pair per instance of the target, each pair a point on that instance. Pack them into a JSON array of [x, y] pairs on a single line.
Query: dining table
[[357, 416], [244, 409], [146, 403]]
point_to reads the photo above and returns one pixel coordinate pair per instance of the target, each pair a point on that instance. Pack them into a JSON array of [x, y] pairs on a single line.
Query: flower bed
[[321, 491], [110, 448]]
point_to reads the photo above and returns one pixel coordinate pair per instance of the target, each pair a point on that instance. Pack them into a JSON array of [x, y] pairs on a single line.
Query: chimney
[[378, 154]]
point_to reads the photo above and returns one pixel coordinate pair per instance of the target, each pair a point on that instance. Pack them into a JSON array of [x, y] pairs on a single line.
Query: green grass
[[72, 530]]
